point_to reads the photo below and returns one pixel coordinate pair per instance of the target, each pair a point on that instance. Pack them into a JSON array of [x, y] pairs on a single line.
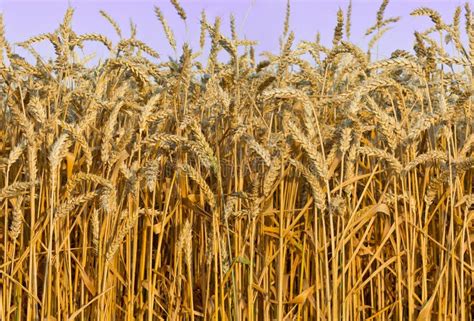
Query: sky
[[260, 20]]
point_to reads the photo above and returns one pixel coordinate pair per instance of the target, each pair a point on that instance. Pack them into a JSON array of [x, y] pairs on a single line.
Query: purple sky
[[260, 20]]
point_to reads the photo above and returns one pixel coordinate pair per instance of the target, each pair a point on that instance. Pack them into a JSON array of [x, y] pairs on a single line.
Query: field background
[[194, 165]]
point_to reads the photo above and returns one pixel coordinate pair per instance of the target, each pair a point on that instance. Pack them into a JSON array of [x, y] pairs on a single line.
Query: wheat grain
[[112, 22]]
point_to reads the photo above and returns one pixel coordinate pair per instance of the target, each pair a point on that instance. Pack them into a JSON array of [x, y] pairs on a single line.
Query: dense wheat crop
[[317, 183]]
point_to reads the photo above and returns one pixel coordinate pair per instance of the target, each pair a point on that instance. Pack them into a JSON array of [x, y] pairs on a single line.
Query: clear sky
[[260, 20]]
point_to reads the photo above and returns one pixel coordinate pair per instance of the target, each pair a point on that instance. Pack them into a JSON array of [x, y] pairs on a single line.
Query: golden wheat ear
[[311, 183]]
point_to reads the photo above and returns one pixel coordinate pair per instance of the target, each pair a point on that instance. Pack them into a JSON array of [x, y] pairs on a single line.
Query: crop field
[[313, 183]]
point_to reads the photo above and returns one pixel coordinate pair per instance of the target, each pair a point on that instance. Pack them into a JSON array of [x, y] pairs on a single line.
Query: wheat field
[[316, 183]]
